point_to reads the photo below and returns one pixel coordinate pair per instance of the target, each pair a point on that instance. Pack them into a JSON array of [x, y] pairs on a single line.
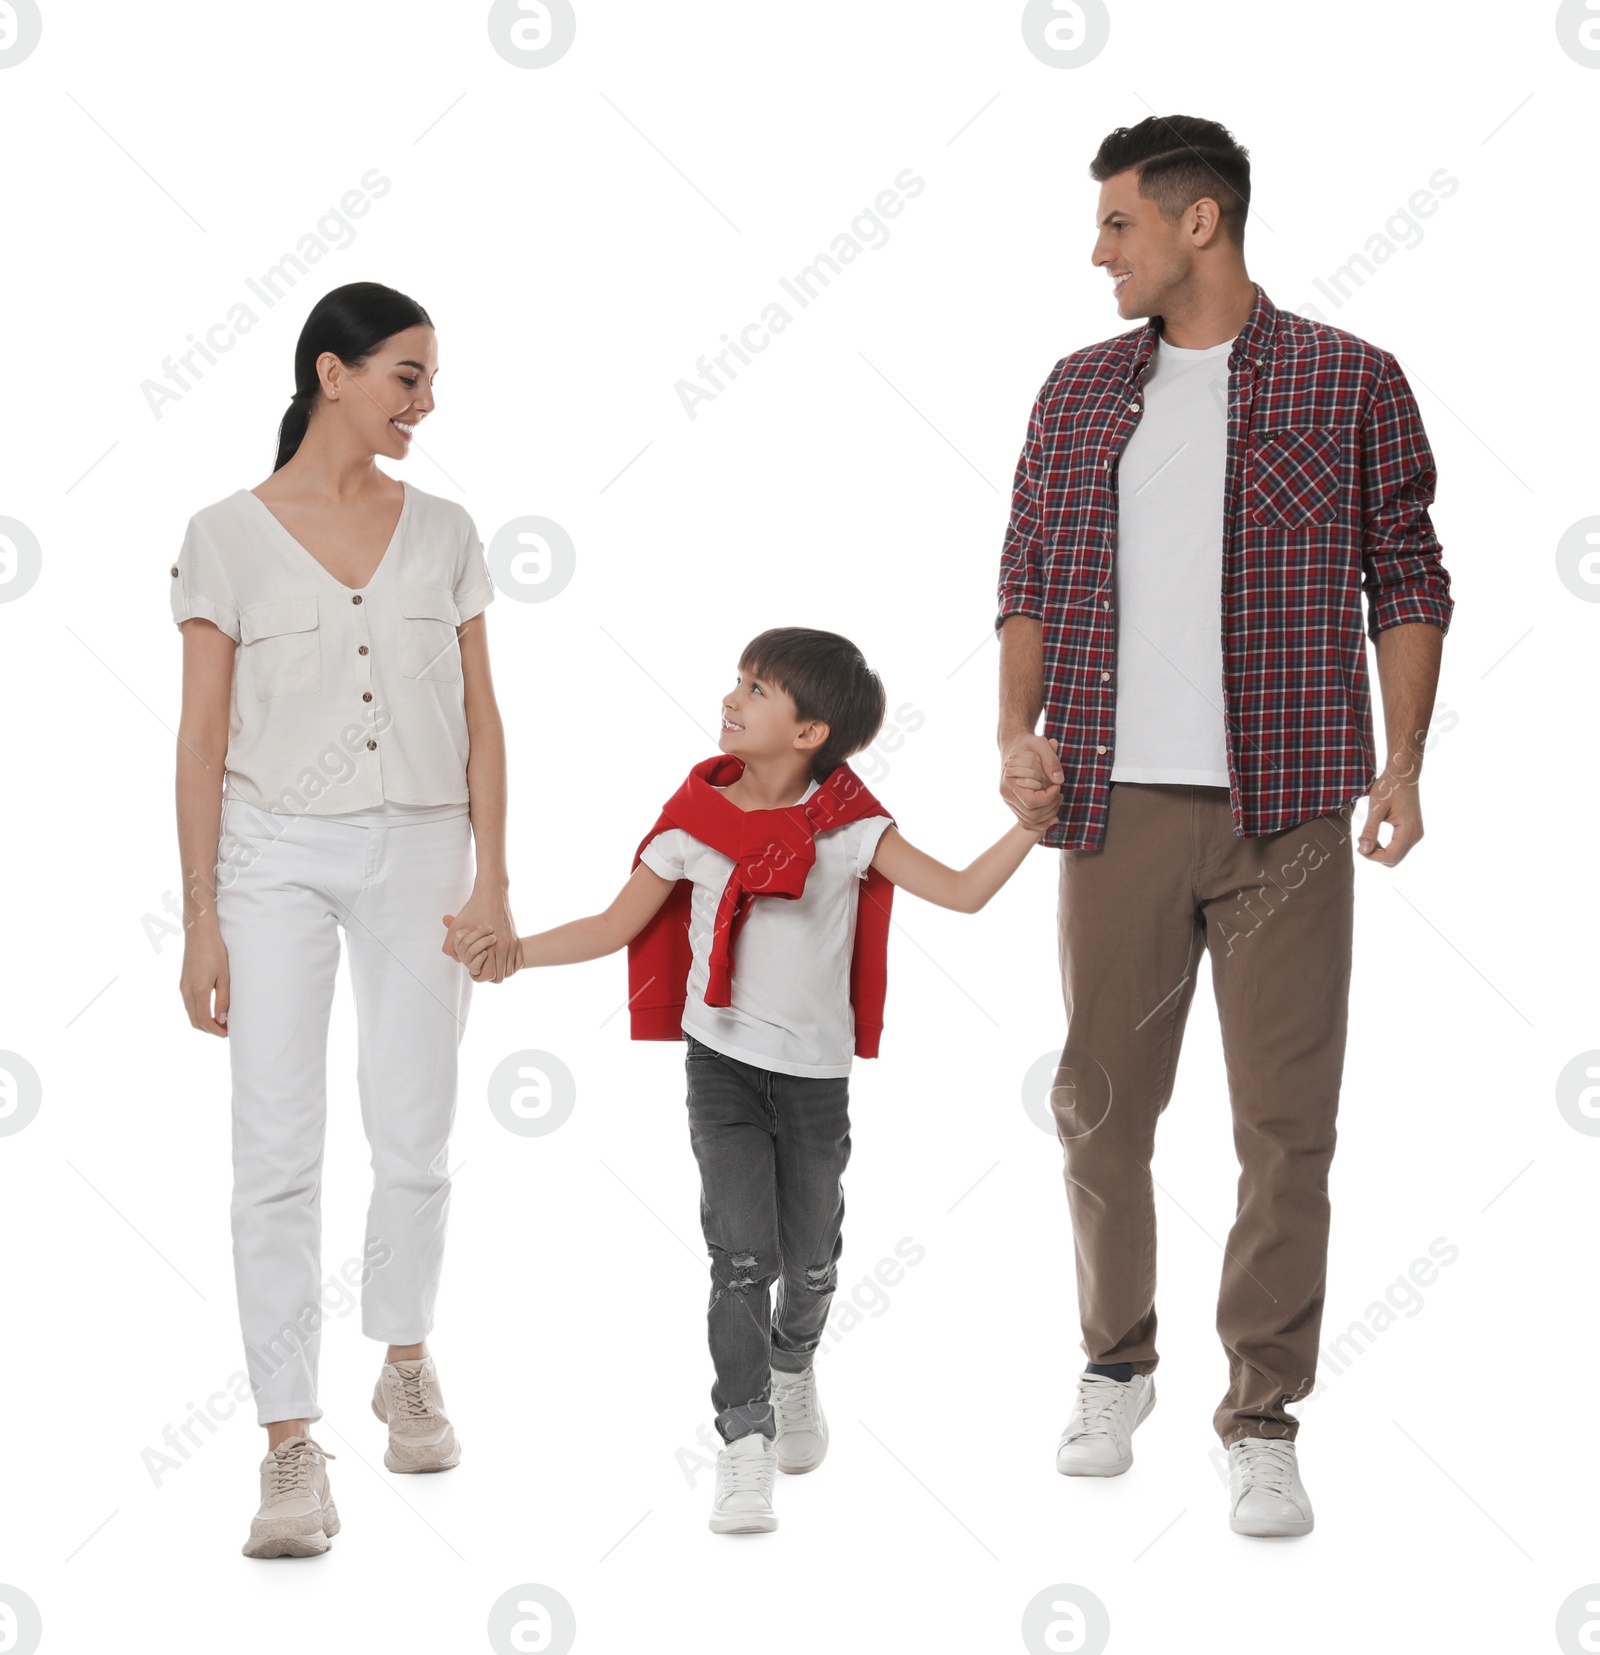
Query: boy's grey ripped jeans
[[771, 1150]]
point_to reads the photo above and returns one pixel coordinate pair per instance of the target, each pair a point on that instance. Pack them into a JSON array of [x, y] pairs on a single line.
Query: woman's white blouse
[[342, 698]]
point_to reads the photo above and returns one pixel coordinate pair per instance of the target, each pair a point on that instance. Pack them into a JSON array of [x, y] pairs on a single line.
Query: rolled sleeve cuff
[[473, 603], [1402, 604], [1018, 600], [186, 608]]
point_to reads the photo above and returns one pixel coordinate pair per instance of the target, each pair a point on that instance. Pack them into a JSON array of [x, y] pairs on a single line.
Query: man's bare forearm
[[1021, 677], [1408, 676]]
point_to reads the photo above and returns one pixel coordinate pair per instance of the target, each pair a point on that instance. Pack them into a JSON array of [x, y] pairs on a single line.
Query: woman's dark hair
[[352, 321], [1180, 159], [828, 679]]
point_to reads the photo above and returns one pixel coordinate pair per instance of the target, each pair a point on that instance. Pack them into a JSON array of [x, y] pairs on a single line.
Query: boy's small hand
[[1032, 779], [468, 943]]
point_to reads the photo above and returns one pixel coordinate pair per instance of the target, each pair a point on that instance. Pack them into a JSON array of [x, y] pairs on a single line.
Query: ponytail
[[292, 427]]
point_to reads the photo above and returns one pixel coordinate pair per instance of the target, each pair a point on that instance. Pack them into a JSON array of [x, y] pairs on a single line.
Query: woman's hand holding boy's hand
[[489, 911], [477, 948]]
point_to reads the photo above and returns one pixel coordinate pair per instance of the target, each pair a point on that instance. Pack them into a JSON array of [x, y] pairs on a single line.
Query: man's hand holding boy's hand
[[1031, 780], [477, 948]]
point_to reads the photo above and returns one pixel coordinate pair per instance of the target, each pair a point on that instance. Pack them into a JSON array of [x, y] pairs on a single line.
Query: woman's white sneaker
[[802, 1438], [1268, 1498], [1098, 1439], [297, 1516], [742, 1503], [408, 1400]]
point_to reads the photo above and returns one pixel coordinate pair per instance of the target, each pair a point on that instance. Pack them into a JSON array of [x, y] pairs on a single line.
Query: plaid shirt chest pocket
[[1294, 477]]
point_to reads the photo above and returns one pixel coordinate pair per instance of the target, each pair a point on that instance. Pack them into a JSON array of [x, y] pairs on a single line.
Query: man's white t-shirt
[[1169, 575], [791, 959]]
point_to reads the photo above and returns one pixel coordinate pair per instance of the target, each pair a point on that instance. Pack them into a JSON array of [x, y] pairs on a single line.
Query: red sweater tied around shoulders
[[772, 852]]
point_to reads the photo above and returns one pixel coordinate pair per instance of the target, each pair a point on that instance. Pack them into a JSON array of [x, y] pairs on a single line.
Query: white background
[[581, 234]]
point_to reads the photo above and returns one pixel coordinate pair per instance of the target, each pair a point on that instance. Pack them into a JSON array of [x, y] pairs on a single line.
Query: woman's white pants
[[286, 885]]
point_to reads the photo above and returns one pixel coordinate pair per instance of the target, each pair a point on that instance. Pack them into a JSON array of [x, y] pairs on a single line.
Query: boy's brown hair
[[829, 680]]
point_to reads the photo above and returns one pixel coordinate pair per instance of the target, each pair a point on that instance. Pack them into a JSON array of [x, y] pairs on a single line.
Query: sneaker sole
[[1272, 1531], [292, 1537], [745, 1522], [444, 1455], [1117, 1469], [798, 1468]]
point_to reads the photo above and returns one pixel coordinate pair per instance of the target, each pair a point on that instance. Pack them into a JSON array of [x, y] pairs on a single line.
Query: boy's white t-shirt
[[791, 958]]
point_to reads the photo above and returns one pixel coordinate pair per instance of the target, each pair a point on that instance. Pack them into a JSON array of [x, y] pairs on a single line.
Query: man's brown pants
[[1275, 913]]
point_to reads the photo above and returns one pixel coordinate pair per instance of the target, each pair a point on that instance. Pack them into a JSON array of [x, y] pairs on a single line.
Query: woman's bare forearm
[[208, 657], [486, 792], [199, 793], [486, 760]]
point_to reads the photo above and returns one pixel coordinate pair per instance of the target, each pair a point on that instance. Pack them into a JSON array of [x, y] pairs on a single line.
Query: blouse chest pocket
[[428, 646], [281, 647], [1294, 478]]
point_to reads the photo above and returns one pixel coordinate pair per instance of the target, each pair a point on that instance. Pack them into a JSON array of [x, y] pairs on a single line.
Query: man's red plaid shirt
[[1329, 478]]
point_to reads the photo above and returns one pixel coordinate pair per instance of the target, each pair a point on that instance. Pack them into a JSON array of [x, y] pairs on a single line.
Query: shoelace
[[1267, 1465], [1097, 1398], [740, 1472], [292, 1464], [796, 1405], [407, 1386]]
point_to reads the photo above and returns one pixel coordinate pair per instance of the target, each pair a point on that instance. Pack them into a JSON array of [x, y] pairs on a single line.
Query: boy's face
[[759, 721]]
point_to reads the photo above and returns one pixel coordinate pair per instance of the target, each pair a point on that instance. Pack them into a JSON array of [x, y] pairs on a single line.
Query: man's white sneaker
[[408, 1400], [802, 1437], [1267, 1497], [743, 1500], [297, 1516], [1098, 1439]]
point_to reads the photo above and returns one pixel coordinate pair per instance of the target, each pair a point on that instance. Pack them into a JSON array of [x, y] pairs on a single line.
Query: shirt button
[[356, 598], [1104, 676], [1105, 603], [366, 695], [372, 747], [362, 650], [1097, 749], [1133, 407], [174, 571]]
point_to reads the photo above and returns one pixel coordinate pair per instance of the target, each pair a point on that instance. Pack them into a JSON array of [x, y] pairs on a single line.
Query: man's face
[[1147, 259]]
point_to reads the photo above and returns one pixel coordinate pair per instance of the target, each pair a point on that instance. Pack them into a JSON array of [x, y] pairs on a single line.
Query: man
[[1198, 506]]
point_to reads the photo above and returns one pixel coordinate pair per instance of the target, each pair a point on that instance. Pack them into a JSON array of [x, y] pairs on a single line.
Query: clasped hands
[[483, 937], [1031, 780]]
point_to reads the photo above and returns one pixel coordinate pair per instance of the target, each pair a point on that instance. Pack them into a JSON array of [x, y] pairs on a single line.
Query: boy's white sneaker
[[297, 1516], [408, 1400], [742, 1503], [1098, 1439], [802, 1438], [1267, 1497]]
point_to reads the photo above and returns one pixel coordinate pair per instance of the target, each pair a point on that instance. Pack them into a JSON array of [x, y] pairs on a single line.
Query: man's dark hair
[[1181, 158], [828, 679]]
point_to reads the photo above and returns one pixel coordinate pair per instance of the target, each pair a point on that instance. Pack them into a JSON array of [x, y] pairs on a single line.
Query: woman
[[336, 674]]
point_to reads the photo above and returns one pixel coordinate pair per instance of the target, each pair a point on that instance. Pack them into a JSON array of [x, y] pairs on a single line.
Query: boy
[[756, 920]]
